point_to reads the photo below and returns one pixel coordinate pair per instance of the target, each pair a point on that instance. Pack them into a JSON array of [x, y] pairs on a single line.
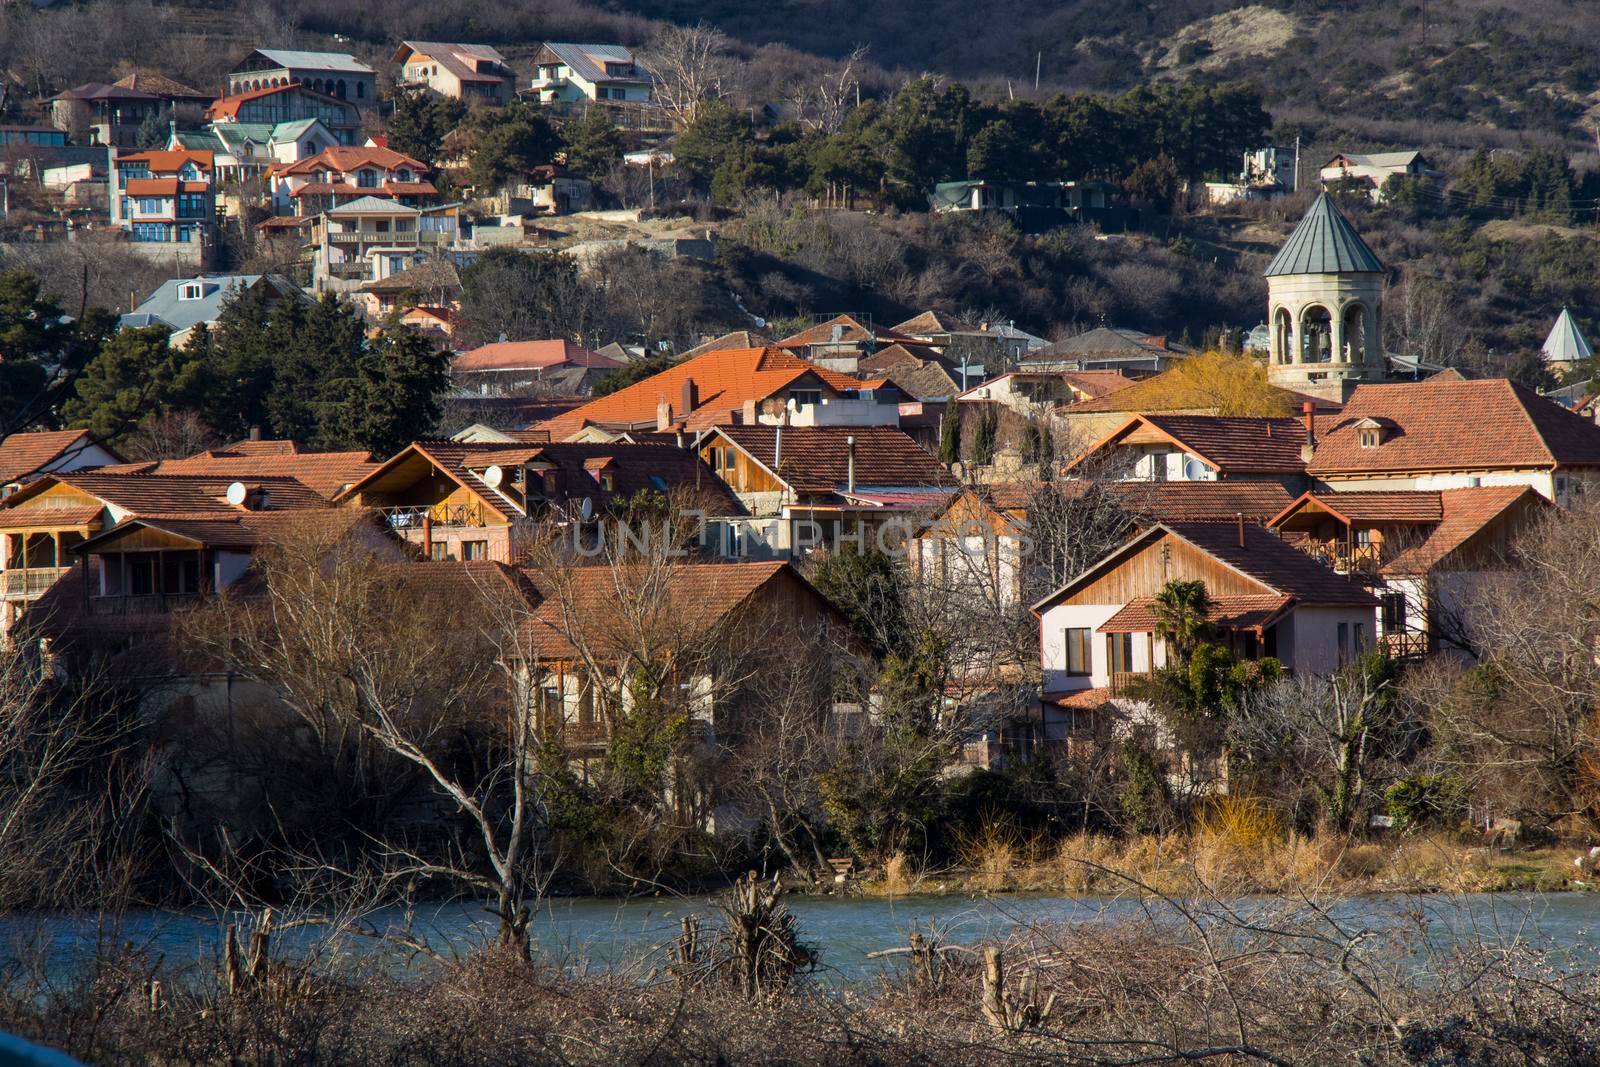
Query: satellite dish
[[494, 476], [237, 493], [1194, 470], [587, 509]]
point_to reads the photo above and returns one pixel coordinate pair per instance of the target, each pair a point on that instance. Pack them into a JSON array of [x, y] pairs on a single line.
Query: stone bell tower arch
[[1324, 305]]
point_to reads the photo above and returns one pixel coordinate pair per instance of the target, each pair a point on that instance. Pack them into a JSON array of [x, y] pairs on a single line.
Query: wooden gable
[[1150, 566]]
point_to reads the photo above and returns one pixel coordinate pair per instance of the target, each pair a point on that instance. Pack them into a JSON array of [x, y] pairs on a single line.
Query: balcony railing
[[141, 604], [410, 517], [28, 582], [1406, 644], [1346, 556]]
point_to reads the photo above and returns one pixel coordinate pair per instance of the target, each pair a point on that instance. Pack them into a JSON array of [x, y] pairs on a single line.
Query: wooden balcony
[[28, 583], [142, 604], [1127, 683], [1346, 557], [410, 516], [1405, 644]]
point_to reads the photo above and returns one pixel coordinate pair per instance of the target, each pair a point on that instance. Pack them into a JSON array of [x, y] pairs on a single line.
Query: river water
[[587, 934]]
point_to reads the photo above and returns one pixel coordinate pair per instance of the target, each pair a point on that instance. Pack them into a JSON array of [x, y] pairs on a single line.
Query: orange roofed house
[[510, 368], [344, 173], [164, 201], [1450, 432], [736, 386], [480, 501], [1200, 448]]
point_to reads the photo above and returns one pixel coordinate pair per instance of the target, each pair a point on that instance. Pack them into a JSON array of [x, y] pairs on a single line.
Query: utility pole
[[1038, 61], [1296, 188]]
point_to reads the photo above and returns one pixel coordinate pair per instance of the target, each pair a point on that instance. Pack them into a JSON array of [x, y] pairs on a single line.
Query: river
[[587, 933]]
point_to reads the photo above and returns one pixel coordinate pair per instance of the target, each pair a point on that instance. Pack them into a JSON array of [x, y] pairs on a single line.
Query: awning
[[1227, 612]]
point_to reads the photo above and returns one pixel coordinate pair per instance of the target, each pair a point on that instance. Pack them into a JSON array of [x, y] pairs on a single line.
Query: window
[[438, 552], [1119, 652], [403, 174], [381, 225], [805, 397], [1370, 437], [191, 205], [149, 205], [1394, 612], [190, 291], [1360, 635], [1344, 643], [361, 90], [1080, 660], [141, 575], [608, 481], [367, 179], [474, 550], [550, 699]]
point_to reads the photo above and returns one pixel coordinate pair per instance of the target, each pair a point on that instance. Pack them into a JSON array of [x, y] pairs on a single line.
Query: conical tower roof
[[1566, 343], [1324, 243]]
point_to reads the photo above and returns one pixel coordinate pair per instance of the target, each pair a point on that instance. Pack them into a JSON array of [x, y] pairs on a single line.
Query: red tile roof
[[143, 494], [530, 355], [1097, 383], [1080, 699], [1229, 612], [815, 459], [724, 380], [1447, 425], [1466, 513], [1399, 506], [327, 473], [169, 160], [733, 339], [227, 107], [852, 331], [1257, 501], [346, 158], [1271, 561], [22, 454], [931, 322], [1226, 444]]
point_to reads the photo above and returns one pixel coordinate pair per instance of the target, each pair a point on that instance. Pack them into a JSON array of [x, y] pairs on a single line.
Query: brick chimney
[[691, 397], [663, 415], [749, 413], [1309, 449]]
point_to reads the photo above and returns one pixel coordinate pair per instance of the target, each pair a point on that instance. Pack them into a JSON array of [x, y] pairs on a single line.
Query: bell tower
[[1324, 295]]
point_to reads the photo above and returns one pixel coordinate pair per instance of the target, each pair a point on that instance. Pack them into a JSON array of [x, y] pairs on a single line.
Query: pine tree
[[137, 374], [593, 144], [983, 437], [390, 399], [950, 436]]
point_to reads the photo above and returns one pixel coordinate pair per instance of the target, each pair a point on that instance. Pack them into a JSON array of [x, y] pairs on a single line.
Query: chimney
[[663, 415], [850, 468], [1239, 517], [255, 433], [749, 413], [691, 396], [1309, 449], [427, 536]]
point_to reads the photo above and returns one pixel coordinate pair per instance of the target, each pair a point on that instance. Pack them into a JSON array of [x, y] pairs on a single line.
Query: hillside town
[[398, 499]]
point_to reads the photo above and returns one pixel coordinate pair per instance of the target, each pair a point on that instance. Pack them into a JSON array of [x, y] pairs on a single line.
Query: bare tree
[[691, 67], [1422, 321], [824, 107]]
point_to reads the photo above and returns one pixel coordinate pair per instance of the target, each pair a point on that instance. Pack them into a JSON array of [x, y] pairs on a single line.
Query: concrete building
[[336, 74], [474, 73]]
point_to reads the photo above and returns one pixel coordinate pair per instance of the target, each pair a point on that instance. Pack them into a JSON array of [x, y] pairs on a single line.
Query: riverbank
[[1233, 865]]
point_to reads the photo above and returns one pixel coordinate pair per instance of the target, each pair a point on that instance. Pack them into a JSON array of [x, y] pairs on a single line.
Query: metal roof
[[341, 62], [1566, 343], [1324, 243], [588, 60]]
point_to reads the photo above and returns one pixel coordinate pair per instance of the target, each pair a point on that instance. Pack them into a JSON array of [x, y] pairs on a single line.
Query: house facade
[[474, 73], [247, 149], [572, 73], [372, 238], [340, 174], [164, 201], [181, 304], [289, 103], [1200, 448], [334, 74]]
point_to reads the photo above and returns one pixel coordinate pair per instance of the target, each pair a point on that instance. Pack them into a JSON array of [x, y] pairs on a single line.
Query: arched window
[[1282, 337], [1316, 335], [1355, 334], [361, 90], [340, 94]]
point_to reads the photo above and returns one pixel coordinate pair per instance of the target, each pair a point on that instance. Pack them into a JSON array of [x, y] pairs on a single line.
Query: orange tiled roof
[[697, 598], [733, 339], [529, 355], [1229, 612], [852, 330], [724, 379], [815, 459], [144, 494], [324, 472], [22, 454], [163, 160], [1396, 506], [1080, 699], [930, 322], [1257, 501], [227, 107], [1441, 425], [1465, 513], [1228, 444], [346, 158], [164, 187], [1097, 383]]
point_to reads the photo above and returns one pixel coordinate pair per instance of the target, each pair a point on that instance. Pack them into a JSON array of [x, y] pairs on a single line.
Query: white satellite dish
[[1194, 470], [587, 509], [237, 493], [494, 476]]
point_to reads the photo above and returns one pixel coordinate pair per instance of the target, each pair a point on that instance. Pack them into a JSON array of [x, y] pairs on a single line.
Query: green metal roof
[[1324, 243]]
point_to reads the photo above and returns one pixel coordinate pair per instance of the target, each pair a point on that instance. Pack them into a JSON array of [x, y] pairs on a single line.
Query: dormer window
[[801, 398], [608, 481], [367, 179], [191, 291], [1370, 437], [403, 174], [1371, 432]]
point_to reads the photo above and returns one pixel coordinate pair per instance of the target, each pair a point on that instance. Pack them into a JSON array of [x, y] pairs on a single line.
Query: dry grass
[[898, 879]]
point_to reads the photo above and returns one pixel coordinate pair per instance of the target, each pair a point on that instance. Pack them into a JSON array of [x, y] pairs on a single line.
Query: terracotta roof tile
[[347, 158], [1399, 506], [1257, 501], [1229, 612], [1080, 699], [169, 160], [734, 339], [815, 459], [724, 380], [1271, 561], [529, 355], [1441, 425], [1097, 383], [324, 472], [1465, 514], [931, 322], [1227, 444], [22, 454]]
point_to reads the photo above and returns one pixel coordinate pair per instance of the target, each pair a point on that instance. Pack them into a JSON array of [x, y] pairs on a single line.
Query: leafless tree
[[824, 107], [1422, 321], [691, 67]]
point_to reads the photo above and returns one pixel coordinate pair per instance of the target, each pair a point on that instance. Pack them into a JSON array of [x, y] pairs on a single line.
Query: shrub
[[1426, 800]]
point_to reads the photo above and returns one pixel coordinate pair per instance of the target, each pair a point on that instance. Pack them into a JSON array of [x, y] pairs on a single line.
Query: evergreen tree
[[390, 399], [420, 121], [137, 374], [315, 344], [242, 356], [950, 436], [155, 131], [592, 144], [511, 141], [716, 133], [983, 437], [41, 350]]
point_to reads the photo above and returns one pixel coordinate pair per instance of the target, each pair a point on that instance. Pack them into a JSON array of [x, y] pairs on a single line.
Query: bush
[[1423, 801]]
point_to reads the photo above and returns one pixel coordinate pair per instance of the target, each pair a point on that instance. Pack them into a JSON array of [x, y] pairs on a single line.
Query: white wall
[[1541, 480], [1053, 626], [1312, 645]]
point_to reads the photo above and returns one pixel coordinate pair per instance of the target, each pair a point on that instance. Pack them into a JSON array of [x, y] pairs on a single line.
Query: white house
[[1373, 169], [1097, 633], [569, 73]]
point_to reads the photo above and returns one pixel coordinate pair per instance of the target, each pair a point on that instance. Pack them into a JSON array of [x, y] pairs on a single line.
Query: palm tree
[[1182, 611]]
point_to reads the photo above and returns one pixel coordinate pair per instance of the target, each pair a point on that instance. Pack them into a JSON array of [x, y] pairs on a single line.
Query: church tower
[[1324, 288]]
